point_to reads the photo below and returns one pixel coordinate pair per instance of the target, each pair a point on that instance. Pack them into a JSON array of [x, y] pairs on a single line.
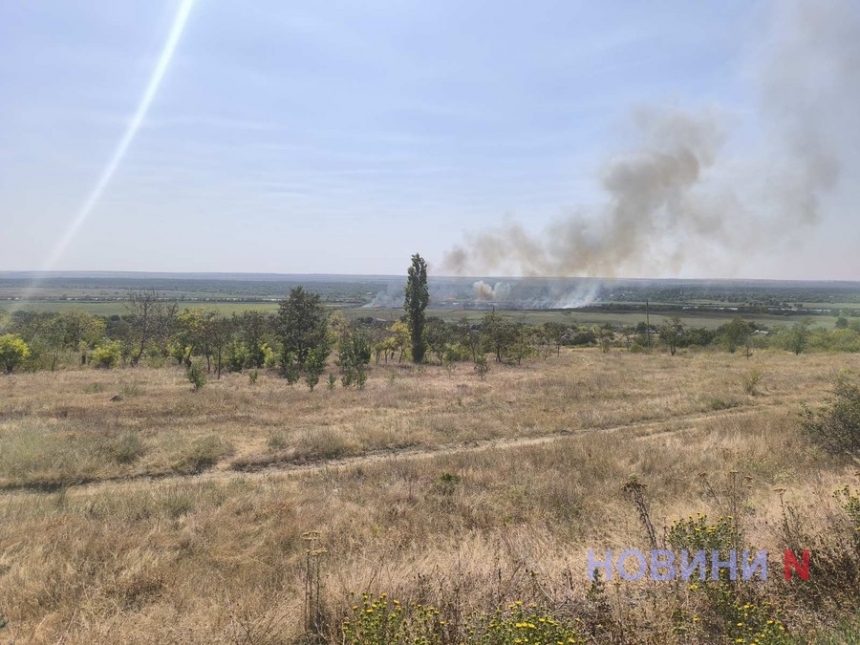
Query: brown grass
[[431, 487]]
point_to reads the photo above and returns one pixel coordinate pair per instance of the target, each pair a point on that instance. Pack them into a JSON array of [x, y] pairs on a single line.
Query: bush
[[196, 376], [127, 449], [836, 425], [13, 351], [355, 352], [107, 355], [751, 379], [481, 366]]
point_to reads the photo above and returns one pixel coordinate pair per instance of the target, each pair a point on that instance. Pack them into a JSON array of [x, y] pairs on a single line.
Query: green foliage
[[498, 335], [235, 356], [482, 368], [836, 425], [735, 334], [415, 304], [302, 330], [695, 533], [13, 351], [196, 376], [290, 369], [253, 329], [315, 365], [79, 328], [671, 334], [798, 337], [604, 337], [354, 356], [107, 355], [456, 352]]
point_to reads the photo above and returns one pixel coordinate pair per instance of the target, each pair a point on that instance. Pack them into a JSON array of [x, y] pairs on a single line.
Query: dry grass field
[[175, 516]]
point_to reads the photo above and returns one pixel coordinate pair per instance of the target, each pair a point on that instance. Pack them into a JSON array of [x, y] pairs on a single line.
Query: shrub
[[13, 351], [481, 366], [196, 376], [127, 449], [355, 352], [751, 379], [836, 425], [107, 355]]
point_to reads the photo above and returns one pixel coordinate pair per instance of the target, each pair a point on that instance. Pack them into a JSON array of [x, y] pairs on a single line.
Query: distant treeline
[[301, 338]]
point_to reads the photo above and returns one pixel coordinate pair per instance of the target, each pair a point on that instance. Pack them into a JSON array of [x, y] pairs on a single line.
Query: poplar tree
[[415, 304]]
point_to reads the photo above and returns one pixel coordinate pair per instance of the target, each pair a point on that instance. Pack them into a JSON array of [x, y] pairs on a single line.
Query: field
[[135, 510]]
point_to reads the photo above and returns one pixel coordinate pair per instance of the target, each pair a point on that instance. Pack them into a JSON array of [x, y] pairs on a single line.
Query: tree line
[[305, 337]]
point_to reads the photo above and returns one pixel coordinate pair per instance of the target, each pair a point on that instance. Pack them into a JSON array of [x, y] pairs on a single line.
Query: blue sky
[[342, 137]]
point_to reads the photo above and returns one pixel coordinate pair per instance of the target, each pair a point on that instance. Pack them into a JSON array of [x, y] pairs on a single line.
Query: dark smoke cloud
[[673, 198]]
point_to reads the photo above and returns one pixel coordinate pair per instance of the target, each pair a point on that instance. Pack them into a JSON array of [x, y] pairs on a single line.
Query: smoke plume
[[491, 293], [678, 197]]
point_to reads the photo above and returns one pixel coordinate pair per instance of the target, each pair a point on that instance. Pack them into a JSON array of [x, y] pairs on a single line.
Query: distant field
[[118, 308], [708, 319]]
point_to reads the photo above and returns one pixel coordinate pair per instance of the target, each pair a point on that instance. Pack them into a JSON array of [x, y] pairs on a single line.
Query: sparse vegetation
[[836, 425], [456, 496], [751, 380]]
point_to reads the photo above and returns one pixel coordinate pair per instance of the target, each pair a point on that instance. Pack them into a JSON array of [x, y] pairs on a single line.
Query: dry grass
[[431, 487]]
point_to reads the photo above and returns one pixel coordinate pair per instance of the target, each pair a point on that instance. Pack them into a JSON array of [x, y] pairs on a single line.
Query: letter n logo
[[791, 563]]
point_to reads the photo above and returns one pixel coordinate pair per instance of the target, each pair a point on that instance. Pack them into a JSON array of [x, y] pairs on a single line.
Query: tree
[[798, 337], [671, 334], [80, 328], [438, 335], [151, 319], [254, 326], [604, 337], [353, 357], [13, 351], [302, 328], [415, 304], [735, 333], [219, 332], [499, 335]]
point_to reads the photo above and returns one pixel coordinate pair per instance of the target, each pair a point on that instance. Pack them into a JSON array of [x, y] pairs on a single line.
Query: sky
[[343, 137]]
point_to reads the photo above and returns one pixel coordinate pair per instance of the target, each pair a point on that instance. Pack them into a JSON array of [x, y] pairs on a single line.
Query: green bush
[[196, 376], [13, 351], [107, 355]]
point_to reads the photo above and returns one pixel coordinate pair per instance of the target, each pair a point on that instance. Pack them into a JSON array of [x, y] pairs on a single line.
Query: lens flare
[[116, 159]]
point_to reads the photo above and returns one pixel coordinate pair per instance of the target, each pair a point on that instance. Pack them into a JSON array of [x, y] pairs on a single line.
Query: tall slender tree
[[415, 304]]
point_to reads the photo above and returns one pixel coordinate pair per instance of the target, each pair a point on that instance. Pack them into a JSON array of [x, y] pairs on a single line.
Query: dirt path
[[224, 472]]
